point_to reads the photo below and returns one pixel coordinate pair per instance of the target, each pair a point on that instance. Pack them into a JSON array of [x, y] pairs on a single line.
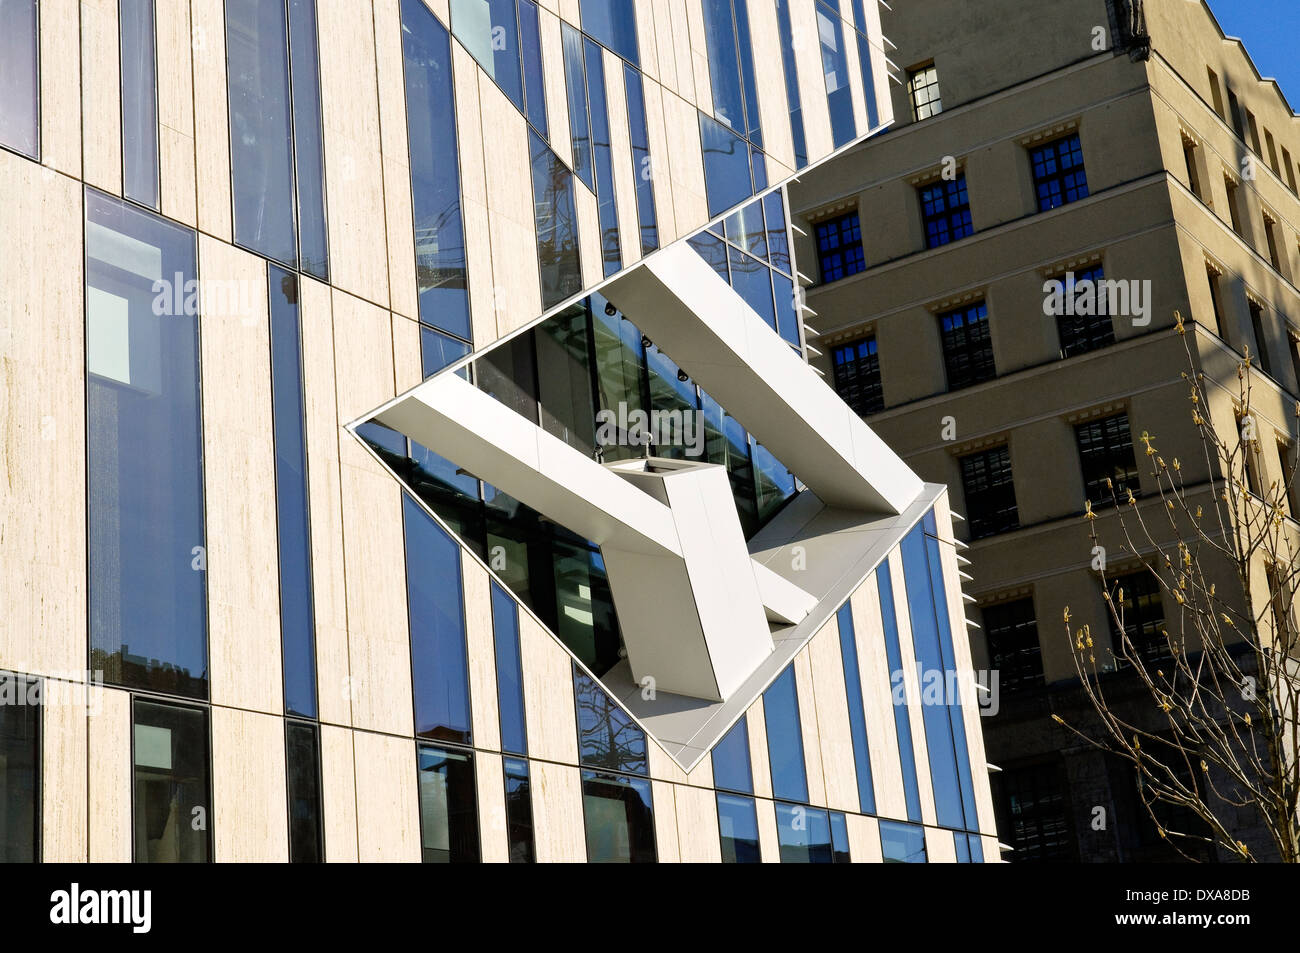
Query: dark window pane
[[510, 684], [726, 166], [902, 719], [506, 372], [1011, 633], [967, 346], [1083, 319], [148, 606], [606, 210], [1059, 178], [647, 218], [261, 133], [731, 765], [20, 752], [139, 102], [1034, 813], [448, 806], [613, 23], [990, 492], [1137, 597], [839, 838], [902, 843], [713, 250], [435, 172], [839, 247], [306, 833], [945, 212], [1106, 456], [835, 69], [19, 83], [309, 144], [785, 738], [519, 812], [607, 735], [620, 825], [738, 828], [489, 30], [804, 834], [575, 78], [531, 55], [297, 625], [173, 813], [857, 376], [438, 665], [793, 101], [857, 712], [555, 211]]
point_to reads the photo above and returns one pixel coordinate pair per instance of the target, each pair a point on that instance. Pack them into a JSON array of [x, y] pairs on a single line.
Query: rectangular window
[[1290, 169], [857, 712], [731, 67], [1059, 177], [1261, 341], [730, 757], [1011, 634], [945, 212], [752, 280], [172, 786], [1272, 153], [902, 719], [607, 735], [1216, 93], [606, 209], [1253, 125], [530, 46], [1083, 322], [1034, 813], [448, 806], [923, 92], [20, 759], [297, 625], [865, 63], [857, 377], [575, 78], [1234, 204], [902, 843], [489, 31], [727, 176], [1289, 486], [1106, 455], [144, 447], [1193, 176], [990, 492], [308, 139], [1143, 613], [555, 211], [306, 831], [613, 24], [618, 818], [1216, 301], [1271, 236], [794, 103], [1238, 119], [519, 811], [139, 101], [435, 173], [803, 834], [19, 77], [785, 738], [835, 71], [738, 829], [639, 135], [510, 678], [839, 247], [967, 346]]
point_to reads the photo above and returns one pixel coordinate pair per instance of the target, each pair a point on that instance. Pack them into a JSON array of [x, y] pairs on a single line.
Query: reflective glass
[[19, 82], [531, 54], [139, 102], [438, 350], [613, 23], [731, 766], [804, 834], [173, 810], [309, 140], [738, 828], [306, 833], [726, 166], [857, 713], [902, 719], [902, 843], [835, 70], [607, 735], [519, 811], [510, 679], [752, 280], [555, 212], [606, 210], [793, 101], [640, 138], [618, 817], [839, 838], [785, 738], [575, 78], [448, 806], [20, 754], [489, 30]]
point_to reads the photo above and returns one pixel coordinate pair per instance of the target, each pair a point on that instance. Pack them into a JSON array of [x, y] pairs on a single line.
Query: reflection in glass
[[448, 807], [19, 83], [556, 215], [785, 738], [606, 210], [489, 30], [148, 606], [173, 811], [902, 843], [738, 829], [438, 350], [139, 102], [804, 834], [641, 171], [839, 838], [575, 79], [531, 52], [752, 280], [613, 23], [620, 825], [731, 768], [519, 811], [510, 676], [726, 166], [302, 753], [20, 800], [857, 712], [835, 70], [902, 720], [308, 135], [793, 101], [607, 735]]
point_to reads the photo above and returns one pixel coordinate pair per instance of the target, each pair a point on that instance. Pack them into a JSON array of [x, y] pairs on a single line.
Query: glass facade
[[607, 735], [173, 806], [613, 24], [727, 175], [618, 817], [731, 765], [556, 216], [731, 67], [139, 101], [785, 738], [804, 834], [510, 676], [575, 79], [835, 71], [793, 101], [20, 777], [306, 813], [19, 79], [857, 713], [144, 447], [902, 843], [902, 715], [448, 806], [738, 829], [489, 30], [603, 158], [519, 811], [642, 172]]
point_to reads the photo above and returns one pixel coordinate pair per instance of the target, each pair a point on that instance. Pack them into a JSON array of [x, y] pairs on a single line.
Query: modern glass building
[[412, 451]]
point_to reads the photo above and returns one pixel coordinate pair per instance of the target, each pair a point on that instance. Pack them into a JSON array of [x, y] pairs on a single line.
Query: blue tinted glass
[[557, 224], [793, 102], [606, 210], [976, 849], [726, 166], [530, 47], [448, 806], [519, 811], [438, 667], [787, 315], [297, 626], [435, 172], [738, 828], [19, 83], [902, 720], [773, 481], [309, 146], [724, 67], [804, 834], [868, 81], [139, 102], [640, 138], [607, 735], [857, 713], [758, 168], [745, 229], [902, 843], [261, 136], [752, 129], [148, 614], [962, 845], [575, 77], [839, 837], [752, 280], [784, 738], [510, 679], [713, 250], [489, 30], [613, 23], [619, 819], [731, 767], [925, 639], [437, 350], [778, 243], [835, 69]]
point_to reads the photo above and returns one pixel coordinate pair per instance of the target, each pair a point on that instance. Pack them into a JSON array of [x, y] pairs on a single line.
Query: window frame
[[1047, 172]]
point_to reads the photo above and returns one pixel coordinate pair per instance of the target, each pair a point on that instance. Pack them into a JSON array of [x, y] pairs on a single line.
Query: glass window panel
[[607, 735], [713, 250], [139, 102], [297, 624], [787, 314], [839, 838], [306, 834], [435, 172], [309, 140], [519, 812], [438, 350], [962, 845], [724, 65], [173, 811], [148, 606], [773, 481], [793, 101], [857, 712], [20, 753], [778, 242], [555, 211], [727, 443], [785, 738], [752, 129], [835, 70], [902, 719], [261, 132], [510, 678], [745, 229], [738, 828], [641, 171], [575, 77], [902, 843], [804, 834], [726, 166], [613, 23], [752, 280], [438, 664], [619, 821], [606, 210], [976, 848], [564, 378], [507, 373], [448, 806], [19, 82], [489, 30], [531, 54], [731, 766]]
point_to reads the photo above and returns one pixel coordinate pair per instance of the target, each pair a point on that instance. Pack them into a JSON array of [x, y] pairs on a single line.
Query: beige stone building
[[1032, 142]]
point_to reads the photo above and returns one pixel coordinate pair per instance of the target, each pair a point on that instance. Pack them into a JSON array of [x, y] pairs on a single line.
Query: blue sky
[[1271, 32]]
